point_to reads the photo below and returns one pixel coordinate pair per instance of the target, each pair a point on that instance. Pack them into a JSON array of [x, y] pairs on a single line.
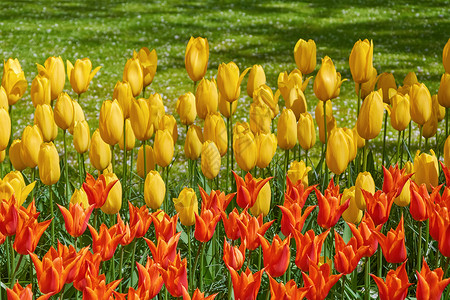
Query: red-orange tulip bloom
[[347, 255], [364, 236], [419, 199], [248, 189], [20, 293], [231, 224], [438, 211], [430, 284], [330, 208], [319, 281], [122, 228], [378, 205], [279, 291], [166, 227], [2, 238], [140, 219], [89, 263], [9, 217], [396, 285], [150, 280], [309, 247], [394, 179], [446, 173], [106, 241], [164, 252], [216, 201], [444, 239], [276, 255], [97, 289], [296, 193], [293, 218], [76, 218], [97, 190], [205, 224], [175, 276], [393, 244], [250, 228], [233, 256], [28, 234], [246, 285], [197, 295]]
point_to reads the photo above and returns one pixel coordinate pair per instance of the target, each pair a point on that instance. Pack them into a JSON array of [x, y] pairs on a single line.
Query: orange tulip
[[276, 255], [364, 235], [246, 286], [105, 241], [96, 287], [20, 293], [393, 244], [175, 276], [90, 263], [205, 224], [140, 219], [97, 190], [309, 247], [164, 252], [248, 189], [197, 295], [150, 280], [429, 283], [233, 256], [330, 208], [394, 179], [378, 205], [396, 284], [76, 218], [9, 216], [319, 281], [293, 218], [280, 291], [296, 192], [347, 255], [250, 227], [231, 224], [122, 228], [28, 234], [165, 226], [216, 201], [419, 199]]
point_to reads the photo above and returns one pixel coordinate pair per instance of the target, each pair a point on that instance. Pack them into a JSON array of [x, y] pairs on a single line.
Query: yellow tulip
[[426, 169], [429, 129], [31, 144], [63, 111], [149, 159], [305, 55], [123, 94], [134, 75], [337, 154], [446, 57], [186, 205], [266, 145], [298, 171], [400, 112], [421, 106], [410, 79], [211, 161], [370, 118], [5, 132], [262, 203], [2, 156], [215, 130], [444, 90], [287, 82], [15, 155], [287, 129], [81, 137], [327, 82], [168, 122], [80, 196], [331, 122], [163, 148], [256, 78], [405, 195], [14, 183], [244, 148], [264, 95], [352, 144], [259, 118], [352, 214], [140, 119], [149, 62], [296, 102], [240, 127], [446, 152], [186, 108], [367, 87], [154, 190], [53, 69], [13, 80], [196, 58], [44, 119], [306, 131], [229, 81], [385, 82], [361, 61], [206, 98], [438, 109], [360, 142], [48, 164], [113, 202], [3, 99], [130, 137], [194, 142], [40, 90], [111, 122], [80, 74], [156, 109], [78, 115], [363, 181], [99, 152], [224, 107]]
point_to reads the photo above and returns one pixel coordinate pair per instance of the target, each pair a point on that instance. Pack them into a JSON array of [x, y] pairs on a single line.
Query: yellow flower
[[149, 160], [328, 82], [40, 90], [352, 214], [80, 74], [244, 148], [194, 142], [3, 99], [444, 90], [196, 58], [53, 69], [363, 181], [31, 144], [78, 115], [426, 169], [211, 161], [64, 111], [43, 118], [111, 122], [287, 130], [266, 145], [420, 99], [405, 196], [224, 107], [298, 171], [306, 131], [206, 98], [154, 190], [149, 62], [331, 122], [305, 55], [215, 130], [259, 118], [15, 184], [287, 82], [361, 61], [400, 112], [5, 125], [99, 152], [134, 75], [140, 119], [168, 122], [229, 81], [48, 164], [186, 205], [385, 82], [446, 57], [337, 151], [352, 143], [296, 101], [123, 94], [156, 109], [264, 95], [163, 148], [186, 108], [13, 80], [262, 203], [256, 78], [79, 196], [367, 87], [15, 155], [113, 202], [370, 118], [130, 137], [446, 152], [81, 137]]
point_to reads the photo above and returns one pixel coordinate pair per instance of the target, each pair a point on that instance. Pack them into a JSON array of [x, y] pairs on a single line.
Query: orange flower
[[347, 255], [28, 233], [231, 224], [246, 286], [276, 255], [166, 227], [296, 193], [233, 256], [396, 285], [378, 205], [363, 235], [205, 225], [394, 179], [9, 216], [216, 201], [248, 189], [76, 218], [97, 190], [309, 247], [293, 218], [393, 244], [250, 227], [89, 263], [197, 295], [430, 284], [330, 208], [419, 199], [175, 276], [106, 241], [96, 287], [140, 219], [319, 281], [165, 252], [279, 291], [128, 234], [150, 280], [20, 293]]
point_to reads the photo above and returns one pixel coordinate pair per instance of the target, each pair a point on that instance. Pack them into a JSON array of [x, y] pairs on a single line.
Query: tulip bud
[[3, 99], [444, 90], [410, 79], [305, 55], [206, 98], [163, 148], [124, 95], [194, 142], [43, 118], [139, 118], [360, 142], [429, 129], [370, 118], [133, 74], [298, 171], [400, 112], [53, 69], [99, 152], [156, 109], [168, 122], [361, 61], [78, 115], [245, 151], [266, 145], [437, 108], [287, 130], [259, 118], [446, 152], [331, 122], [405, 196], [352, 144], [256, 78], [149, 62], [13, 80], [426, 169], [421, 107], [306, 132], [186, 205], [385, 82], [79, 196], [15, 155], [363, 181], [296, 101], [31, 144], [224, 107], [186, 108], [215, 130], [48, 164], [196, 58], [64, 111], [81, 136], [367, 87], [446, 57], [352, 214], [40, 90], [337, 151], [264, 95], [111, 122], [80, 74], [130, 137], [262, 203], [229, 81], [113, 202], [149, 160], [5, 125], [287, 82], [210, 163], [154, 190], [327, 82]]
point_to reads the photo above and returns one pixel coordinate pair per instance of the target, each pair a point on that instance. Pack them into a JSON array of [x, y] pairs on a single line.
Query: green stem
[[52, 213], [191, 273], [8, 257], [80, 170], [344, 277], [66, 169], [366, 146], [199, 251], [231, 143], [325, 145], [446, 121], [306, 157], [380, 261], [230, 286], [202, 267], [398, 145], [31, 272], [409, 136], [13, 278], [10, 136], [33, 176], [131, 173], [359, 99], [228, 174], [75, 240], [384, 138], [401, 149], [286, 164], [95, 217], [427, 236], [367, 279], [120, 266], [259, 259], [420, 137], [132, 264], [84, 166], [124, 164], [419, 252]]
